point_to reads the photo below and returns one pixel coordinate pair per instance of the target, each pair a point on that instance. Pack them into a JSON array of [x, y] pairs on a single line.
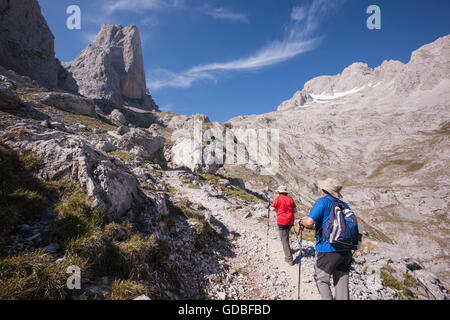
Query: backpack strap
[[336, 201], [333, 200]]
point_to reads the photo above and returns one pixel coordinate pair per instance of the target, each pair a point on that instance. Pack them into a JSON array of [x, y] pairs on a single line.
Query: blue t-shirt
[[320, 214]]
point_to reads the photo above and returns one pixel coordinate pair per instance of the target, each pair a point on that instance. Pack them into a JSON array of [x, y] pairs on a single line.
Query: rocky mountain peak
[[352, 77], [428, 66], [112, 67]]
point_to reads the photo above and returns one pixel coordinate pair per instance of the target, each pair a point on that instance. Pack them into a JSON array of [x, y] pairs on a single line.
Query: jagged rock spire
[[112, 67]]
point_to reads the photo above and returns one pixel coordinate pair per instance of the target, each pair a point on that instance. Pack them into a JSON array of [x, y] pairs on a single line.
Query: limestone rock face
[[139, 142], [110, 183], [112, 68], [428, 66], [26, 42], [300, 98]]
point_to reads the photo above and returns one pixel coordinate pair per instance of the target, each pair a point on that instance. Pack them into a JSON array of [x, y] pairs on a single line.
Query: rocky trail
[[267, 275], [267, 272]]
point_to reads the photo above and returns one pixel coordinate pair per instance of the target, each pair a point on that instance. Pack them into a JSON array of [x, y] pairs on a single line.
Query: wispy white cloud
[[161, 78], [167, 107], [149, 22], [139, 6], [225, 14], [299, 39], [298, 13], [274, 53], [112, 6]]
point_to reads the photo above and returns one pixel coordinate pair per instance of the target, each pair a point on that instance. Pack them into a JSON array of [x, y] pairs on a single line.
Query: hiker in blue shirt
[[330, 261]]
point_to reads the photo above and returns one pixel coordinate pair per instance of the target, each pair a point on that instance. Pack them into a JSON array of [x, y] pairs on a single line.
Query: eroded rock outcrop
[[112, 68], [107, 180], [26, 42], [67, 102]]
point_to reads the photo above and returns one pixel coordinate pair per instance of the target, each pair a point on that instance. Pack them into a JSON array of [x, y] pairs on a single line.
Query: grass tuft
[[33, 276], [127, 290], [75, 218], [125, 156]]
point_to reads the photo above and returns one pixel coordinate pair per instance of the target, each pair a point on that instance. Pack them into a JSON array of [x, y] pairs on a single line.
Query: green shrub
[[100, 255], [75, 219], [115, 231], [27, 202], [390, 281], [138, 254], [409, 280]]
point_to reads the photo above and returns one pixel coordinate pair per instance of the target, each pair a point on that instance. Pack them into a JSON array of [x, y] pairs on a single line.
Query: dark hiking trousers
[[336, 265], [283, 232]]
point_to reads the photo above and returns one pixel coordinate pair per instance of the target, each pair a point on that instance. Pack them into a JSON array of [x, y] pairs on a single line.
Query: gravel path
[[268, 273]]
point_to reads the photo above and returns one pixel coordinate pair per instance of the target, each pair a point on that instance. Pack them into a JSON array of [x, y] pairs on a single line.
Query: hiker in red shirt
[[286, 208]]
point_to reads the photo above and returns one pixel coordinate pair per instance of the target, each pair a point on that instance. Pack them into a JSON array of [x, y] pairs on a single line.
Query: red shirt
[[285, 210]]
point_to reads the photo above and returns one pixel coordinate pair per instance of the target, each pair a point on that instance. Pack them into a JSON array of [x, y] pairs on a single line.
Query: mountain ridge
[[392, 76]]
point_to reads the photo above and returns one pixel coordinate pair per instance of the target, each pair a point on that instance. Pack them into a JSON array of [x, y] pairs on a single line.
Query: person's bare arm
[[307, 222]]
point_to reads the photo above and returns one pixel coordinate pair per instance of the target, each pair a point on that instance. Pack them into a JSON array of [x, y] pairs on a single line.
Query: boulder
[[198, 145], [67, 102], [140, 143], [9, 99], [118, 117], [19, 80], [108, 181]]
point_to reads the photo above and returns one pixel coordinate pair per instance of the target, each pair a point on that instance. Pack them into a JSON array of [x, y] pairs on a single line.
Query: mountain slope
[[385, 133], [97, 184]]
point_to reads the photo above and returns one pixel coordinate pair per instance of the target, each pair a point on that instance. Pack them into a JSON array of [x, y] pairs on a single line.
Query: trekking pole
[[300, 242], [268, 226]]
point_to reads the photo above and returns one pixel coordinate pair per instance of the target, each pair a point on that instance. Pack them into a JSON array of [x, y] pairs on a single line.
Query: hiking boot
[[289, 261]]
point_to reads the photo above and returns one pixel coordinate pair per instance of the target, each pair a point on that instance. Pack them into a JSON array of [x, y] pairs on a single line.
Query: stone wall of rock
[[26, 42]]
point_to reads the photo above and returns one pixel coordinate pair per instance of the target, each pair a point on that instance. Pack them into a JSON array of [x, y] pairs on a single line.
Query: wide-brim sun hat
[[282, 189], [332, 186]]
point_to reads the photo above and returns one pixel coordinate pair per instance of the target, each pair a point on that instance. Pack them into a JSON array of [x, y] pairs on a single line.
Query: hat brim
[[282, 191], [323, 186]]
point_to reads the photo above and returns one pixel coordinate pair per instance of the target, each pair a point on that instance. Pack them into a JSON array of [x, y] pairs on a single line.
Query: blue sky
[[240, 57]]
